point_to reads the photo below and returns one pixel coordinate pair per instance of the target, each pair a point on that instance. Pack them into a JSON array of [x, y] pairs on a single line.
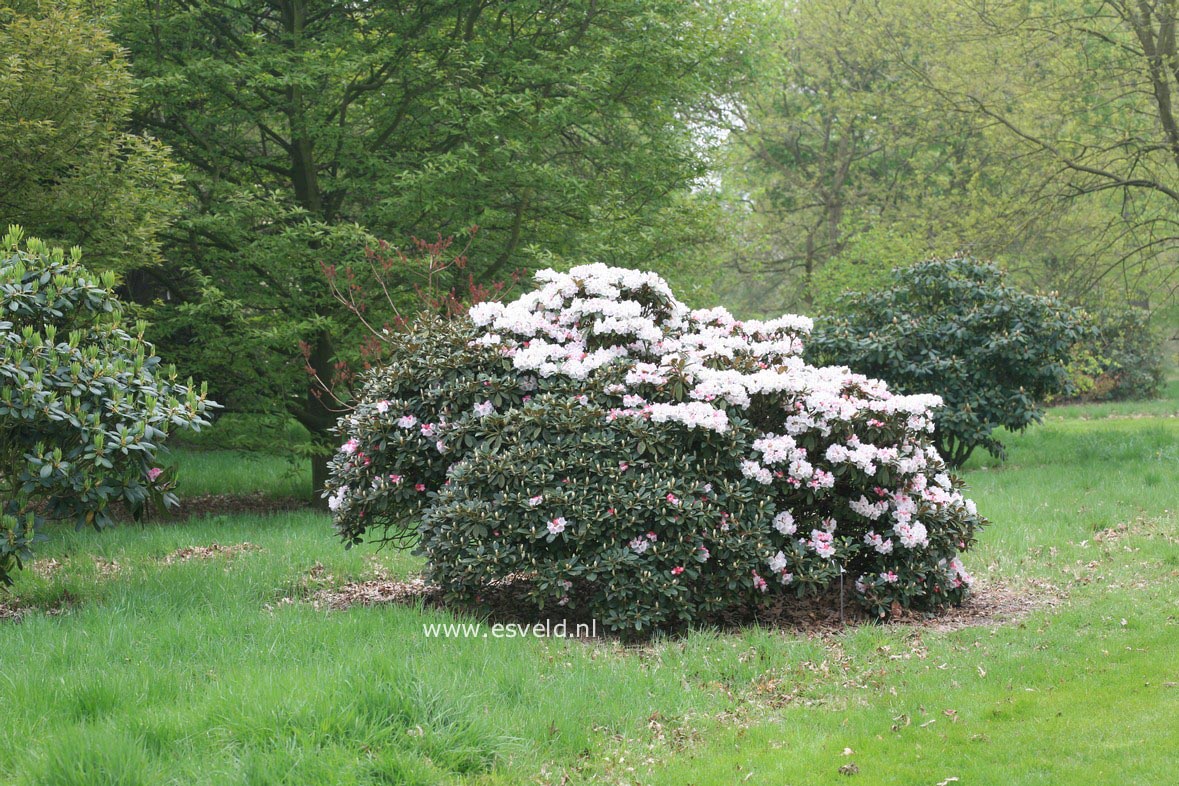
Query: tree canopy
[[72, 172], [873, 134], [310, 128]]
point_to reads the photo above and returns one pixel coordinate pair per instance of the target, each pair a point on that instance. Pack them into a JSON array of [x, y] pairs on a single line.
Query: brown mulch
[[214, 549], [107, 567], [13, 610], [373, 592], [991, 603], [46, 568]]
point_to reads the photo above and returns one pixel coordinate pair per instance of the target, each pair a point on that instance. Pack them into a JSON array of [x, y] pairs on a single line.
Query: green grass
[[199, 672], [1167, 405], [241, 454], [219, 471]]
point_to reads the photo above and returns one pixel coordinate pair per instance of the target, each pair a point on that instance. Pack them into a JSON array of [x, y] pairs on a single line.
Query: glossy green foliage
[[958, 329], [85, 406]]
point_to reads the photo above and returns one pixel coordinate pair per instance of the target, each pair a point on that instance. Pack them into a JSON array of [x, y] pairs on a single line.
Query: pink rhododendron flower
[[759, 582], [822, 543]]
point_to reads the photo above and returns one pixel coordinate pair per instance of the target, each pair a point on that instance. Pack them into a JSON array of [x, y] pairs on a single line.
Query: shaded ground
[[258, 503]]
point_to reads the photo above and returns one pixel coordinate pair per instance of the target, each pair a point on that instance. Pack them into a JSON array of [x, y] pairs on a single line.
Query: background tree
[[309, 128], [859, 142], [837, 154], [1085, 94], [71, 172]]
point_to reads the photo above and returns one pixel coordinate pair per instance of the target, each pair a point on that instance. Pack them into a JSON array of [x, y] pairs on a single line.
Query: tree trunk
[[317, 416]]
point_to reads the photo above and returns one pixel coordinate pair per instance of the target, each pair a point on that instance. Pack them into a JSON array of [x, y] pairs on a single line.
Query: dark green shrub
[[650, 463], [957, 329], [85, 406]]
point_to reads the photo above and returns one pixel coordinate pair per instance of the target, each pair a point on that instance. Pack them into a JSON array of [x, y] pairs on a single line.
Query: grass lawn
[[227, 458], [157, 670]]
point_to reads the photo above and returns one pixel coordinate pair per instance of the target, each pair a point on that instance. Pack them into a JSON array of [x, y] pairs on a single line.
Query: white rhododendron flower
[[784, 523], [755, 471], [336, 500]]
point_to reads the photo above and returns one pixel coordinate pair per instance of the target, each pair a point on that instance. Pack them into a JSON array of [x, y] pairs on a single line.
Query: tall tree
[[853, 150], [1088, 89], [833, 140], [71, 172], [310, 127]]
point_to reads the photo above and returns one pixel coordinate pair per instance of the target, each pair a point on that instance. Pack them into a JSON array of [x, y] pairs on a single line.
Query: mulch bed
[[214, 549], [506, 602], [12, 610]]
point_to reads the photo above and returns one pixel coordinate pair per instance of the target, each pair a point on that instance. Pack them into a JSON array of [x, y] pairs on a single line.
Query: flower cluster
[[662, 461]]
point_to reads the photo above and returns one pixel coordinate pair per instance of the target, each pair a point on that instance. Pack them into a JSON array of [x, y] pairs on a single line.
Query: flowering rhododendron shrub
[[652, 462]]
